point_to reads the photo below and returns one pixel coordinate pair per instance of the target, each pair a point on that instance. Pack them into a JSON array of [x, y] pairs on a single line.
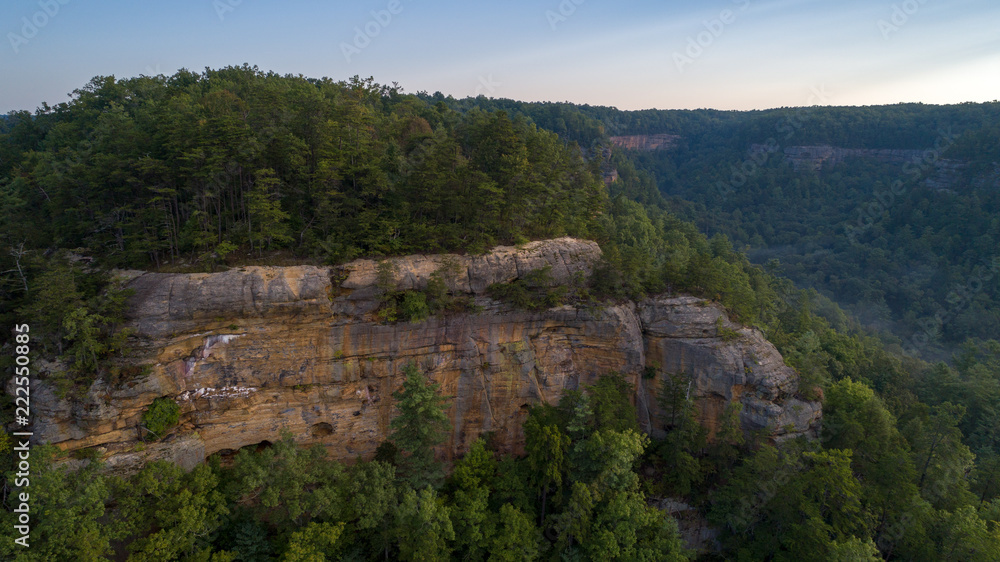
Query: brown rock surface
[[251, 352]]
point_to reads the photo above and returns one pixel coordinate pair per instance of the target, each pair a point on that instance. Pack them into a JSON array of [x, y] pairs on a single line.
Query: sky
[[722, 54]]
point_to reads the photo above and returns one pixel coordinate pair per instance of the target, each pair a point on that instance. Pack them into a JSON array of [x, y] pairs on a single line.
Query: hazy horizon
[[727, 55]]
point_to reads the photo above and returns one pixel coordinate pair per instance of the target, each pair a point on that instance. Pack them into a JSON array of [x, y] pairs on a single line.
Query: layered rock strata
[[646, 142], [939, 173], [252, 352]]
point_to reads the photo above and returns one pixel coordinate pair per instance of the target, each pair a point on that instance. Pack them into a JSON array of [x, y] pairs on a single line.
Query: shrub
[[531, 292], [414, 306], [162, 414], [727, 334], [417, 306]]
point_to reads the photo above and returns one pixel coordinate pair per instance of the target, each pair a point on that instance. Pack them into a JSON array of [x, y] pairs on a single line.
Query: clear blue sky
[[643, 54]]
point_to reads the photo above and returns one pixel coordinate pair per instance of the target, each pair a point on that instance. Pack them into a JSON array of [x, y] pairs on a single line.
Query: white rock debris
[[226, 392], [211, 341]]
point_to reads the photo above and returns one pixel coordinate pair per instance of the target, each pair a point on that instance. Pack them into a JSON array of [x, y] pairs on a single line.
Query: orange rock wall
[[253, 352]]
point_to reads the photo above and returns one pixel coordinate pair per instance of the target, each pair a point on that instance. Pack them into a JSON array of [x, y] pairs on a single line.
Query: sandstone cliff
[[941, 173], [253, 351], [646, 142]]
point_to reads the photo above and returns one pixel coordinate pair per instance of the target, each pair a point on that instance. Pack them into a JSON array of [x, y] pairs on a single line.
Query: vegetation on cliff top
[[201, 170]]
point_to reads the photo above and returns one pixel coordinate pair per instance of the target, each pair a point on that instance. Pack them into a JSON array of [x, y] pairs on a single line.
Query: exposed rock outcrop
[[646, 142], [253, 351], [940, 173], [695, 530]]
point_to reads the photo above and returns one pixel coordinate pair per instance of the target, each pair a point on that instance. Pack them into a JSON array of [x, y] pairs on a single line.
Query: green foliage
[[419, 427], [547, 448], [67, 512], [176, 512], [534, 291], [414, 306], [285, 484], [607, 458], [875, 236], [685, 438], [266, 222], [423, 526], [317, 542], [853, 550], [724, 332], [417, 306], [385, 275], [728, 438], [372, 497], [76, 315], [54, 295], [472, 480], [611, 402], [647, 250], [605, 517], [939, 456], [856, 419], [794, 505], [225, 166], [516, 537], [161, 415], [247, 539], [228, 163]]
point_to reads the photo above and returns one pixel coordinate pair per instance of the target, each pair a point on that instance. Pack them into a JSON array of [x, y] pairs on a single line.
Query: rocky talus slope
[[253, 351]]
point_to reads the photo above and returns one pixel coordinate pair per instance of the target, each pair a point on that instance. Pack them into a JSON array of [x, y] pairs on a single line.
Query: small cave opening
[[320, 430], [228, 456], [225, 456]]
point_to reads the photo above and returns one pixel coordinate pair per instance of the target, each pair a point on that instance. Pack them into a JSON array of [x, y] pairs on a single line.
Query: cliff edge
[[253, 351]]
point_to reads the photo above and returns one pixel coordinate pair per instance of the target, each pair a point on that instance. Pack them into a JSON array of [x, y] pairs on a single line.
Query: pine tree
[[267, 222], [547, 448], [420, 426]]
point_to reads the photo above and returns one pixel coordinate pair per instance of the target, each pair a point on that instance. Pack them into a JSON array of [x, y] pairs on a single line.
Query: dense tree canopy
[[207, 170]]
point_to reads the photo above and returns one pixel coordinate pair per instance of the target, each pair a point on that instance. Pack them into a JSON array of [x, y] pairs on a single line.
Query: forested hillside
[[195, 172], [907, 246], [146, 170]]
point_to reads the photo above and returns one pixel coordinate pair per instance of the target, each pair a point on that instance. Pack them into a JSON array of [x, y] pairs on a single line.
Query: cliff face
[[942, 173], [250, 352], [646, 142]]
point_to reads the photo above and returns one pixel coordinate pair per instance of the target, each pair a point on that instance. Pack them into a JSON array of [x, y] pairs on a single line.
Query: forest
[[202, 171]]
